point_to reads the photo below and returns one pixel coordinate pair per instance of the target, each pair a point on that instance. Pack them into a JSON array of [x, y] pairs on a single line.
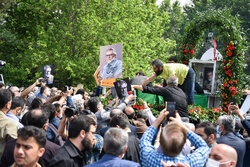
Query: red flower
[[230, 82], [191, 51], [224, 85], [224, 61], [215, 59], [228, 67], [191, 46], [216, 110], [185, 62], [227, 49], [130, 92], [229, 54], [231, 46], [230, 62], [223, 94], [185, 51], [225, 97], [149, 105], [235, 81], [225, 68]]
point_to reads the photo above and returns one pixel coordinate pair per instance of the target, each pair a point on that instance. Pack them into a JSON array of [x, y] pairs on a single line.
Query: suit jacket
[[109, 160], [8, 131], [237, 143]]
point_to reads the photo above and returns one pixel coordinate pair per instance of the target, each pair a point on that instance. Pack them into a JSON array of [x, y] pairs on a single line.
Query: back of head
[[5, 97], [228, 121], [36, 103], [115, 141], [173, 81], [30, 131], [93, 103], [157, 62], [50, 109], [140, 73], [81, 122], [115, 112], [17, 101], [130, 112], [173, 59], [229, 153], [120, 120], [80, 91], [142, 114], [209, 128], [36, 118], [172, 139]]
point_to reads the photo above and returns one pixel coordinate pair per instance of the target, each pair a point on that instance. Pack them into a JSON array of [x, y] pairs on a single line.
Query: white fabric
[[209, 55]]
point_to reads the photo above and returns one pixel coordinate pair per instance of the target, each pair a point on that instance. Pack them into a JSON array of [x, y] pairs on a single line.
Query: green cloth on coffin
[[200, 100], [149, 98]]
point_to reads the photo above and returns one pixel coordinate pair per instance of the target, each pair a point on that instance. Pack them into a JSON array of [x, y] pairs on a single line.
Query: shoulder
[[128, 163]]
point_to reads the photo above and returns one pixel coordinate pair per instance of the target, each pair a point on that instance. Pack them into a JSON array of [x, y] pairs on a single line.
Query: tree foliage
[[68, 34]]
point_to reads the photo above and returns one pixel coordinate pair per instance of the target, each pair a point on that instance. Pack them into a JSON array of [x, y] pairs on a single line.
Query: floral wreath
[[231, 69]]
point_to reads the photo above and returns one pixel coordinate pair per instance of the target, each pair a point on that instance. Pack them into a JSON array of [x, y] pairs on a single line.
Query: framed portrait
[[208, 78], [47, 72], [122, 88], [111, 61]]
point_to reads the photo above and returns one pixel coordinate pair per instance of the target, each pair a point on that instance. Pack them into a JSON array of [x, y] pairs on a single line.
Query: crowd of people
[[48, 127]]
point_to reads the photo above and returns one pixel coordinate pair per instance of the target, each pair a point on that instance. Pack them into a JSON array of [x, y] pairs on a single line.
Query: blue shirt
[[112, 70], [50, 135], [150, 157], [109, 160], [16, 120]]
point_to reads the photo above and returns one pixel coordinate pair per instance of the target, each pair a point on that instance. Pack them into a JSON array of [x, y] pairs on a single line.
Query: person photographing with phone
[[172, 140], [170, 93]]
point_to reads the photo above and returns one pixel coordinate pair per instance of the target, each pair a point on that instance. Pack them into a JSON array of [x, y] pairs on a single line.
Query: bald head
[[129, 110], [173, 81], [224, 153]]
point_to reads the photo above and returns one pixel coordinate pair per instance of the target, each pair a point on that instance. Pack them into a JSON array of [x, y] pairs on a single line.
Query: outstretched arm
[[30, 88], [149, 79]]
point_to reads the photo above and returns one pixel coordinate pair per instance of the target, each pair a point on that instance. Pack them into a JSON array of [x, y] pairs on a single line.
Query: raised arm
[[149, 79], [30, 88]]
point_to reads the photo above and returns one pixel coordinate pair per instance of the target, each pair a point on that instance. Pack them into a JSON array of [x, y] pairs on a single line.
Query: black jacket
[[171, 94], [67, 156]]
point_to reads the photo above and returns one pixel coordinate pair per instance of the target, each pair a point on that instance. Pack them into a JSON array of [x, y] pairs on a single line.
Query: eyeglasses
[[110, 55]]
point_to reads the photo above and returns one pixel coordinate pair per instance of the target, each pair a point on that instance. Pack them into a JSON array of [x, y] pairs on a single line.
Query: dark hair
[[142, 114], [30, 131], [173, 58], [17, 102], [157, 62], [5, 97], [1, 85], [140, 73], [42, 89], [80, 91], [57, 107], [120, 120], [50, 109], [36, 103], [36, 118], [81, 122], [209, 128], [93, 103]]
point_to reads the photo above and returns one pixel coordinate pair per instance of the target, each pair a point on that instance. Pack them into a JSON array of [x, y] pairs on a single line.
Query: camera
[[69, 112]]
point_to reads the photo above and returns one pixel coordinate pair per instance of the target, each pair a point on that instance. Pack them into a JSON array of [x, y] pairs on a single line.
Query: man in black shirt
[[81, 138], [170, 93]]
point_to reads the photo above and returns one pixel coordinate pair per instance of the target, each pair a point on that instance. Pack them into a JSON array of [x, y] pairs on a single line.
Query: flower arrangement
[[198, 114], [231, 72]]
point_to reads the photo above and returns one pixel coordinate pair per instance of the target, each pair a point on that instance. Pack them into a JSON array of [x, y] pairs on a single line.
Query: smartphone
[[170, 106], [233, 101]]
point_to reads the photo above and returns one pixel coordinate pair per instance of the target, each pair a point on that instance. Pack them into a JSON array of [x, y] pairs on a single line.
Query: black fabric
[[171, 94], [237, 143], [8, 158], [68, 156], [133, 151]]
